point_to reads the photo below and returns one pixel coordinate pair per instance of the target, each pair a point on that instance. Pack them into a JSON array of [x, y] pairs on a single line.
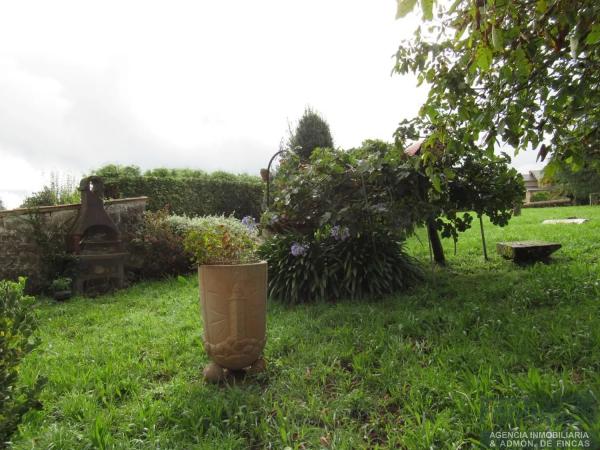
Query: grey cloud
[[73, 118]]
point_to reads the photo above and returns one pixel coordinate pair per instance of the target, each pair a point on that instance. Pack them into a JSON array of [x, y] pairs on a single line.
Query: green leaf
[[574, 43], [541, 6], [404, 7], [435, 181], [484, 58], [594, 36], [450, 174], [551, 168], [497, 38], [427, 8], [522, 63], [325, 218], [454, 6]]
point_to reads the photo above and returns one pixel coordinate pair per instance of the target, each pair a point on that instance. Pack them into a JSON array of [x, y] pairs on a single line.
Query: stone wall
[[20, 251]]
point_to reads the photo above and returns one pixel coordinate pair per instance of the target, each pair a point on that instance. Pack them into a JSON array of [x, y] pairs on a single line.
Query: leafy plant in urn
[[61, 288], [233, 293]]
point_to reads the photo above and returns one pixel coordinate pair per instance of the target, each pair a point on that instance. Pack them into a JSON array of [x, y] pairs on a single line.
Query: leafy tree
[[2, 208], [481, 183], [45, 197], [577, 184], [456, 185], [312, 132], [519, 72], [58, 192], [117, 170]]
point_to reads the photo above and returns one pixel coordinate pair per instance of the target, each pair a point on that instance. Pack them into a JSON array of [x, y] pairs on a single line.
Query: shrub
[[578, 184], [156, 247], [61, 284], [312, 132], [55, 262], [540, 196], [341, 217], [357, 188], [222, 240], [167, 245], [335, 265], [17, 325]]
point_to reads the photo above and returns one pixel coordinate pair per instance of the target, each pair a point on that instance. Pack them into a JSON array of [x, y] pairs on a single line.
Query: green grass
[[479, 346]]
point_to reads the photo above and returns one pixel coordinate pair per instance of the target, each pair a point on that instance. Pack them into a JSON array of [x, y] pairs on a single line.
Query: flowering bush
[[340, 233], [339, 220], [367, 189], [222, 240], [333, 265], [156, 247], [298, 249]]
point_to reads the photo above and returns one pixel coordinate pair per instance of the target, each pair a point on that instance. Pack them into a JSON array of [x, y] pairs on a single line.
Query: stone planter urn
[[233, 300], [62, 295]]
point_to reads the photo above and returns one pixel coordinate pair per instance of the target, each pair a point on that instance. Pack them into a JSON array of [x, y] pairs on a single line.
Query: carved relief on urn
[[233, 302]]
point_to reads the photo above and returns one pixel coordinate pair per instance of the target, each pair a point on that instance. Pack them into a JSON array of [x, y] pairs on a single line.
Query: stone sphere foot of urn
[[214, 373], [258, 366]]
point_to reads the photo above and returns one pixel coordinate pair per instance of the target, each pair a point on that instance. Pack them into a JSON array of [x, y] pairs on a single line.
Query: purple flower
[[298, 249], [340, 233], [249, 222]]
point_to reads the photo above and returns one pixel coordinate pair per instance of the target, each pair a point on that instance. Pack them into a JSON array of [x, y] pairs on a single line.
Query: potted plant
[[61, 288], [233, 292]]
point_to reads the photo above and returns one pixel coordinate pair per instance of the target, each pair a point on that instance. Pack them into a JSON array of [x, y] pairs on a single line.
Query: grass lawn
[[480, 346]]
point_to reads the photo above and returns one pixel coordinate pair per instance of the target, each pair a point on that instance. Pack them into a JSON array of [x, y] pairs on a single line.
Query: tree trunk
[[483, 238], [436, 243]]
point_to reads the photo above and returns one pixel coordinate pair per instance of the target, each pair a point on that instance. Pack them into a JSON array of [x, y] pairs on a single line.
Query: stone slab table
[[527, 251]]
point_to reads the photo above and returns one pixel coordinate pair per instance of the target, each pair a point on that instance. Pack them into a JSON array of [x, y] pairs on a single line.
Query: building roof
[[538, 174], [527, 176], [413, 149], [534, 175]]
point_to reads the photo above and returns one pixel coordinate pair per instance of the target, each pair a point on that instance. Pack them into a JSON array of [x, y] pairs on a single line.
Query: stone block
[[527, 251], [572, 220]]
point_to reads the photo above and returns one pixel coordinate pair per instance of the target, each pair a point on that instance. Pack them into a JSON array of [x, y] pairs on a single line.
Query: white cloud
[[208, 85]]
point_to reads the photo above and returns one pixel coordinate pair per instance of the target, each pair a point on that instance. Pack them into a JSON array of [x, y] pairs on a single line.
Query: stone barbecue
[[95, 241]]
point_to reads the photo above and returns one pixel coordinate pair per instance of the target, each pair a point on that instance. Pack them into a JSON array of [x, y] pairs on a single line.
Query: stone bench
[[527, 251], [569, 220]]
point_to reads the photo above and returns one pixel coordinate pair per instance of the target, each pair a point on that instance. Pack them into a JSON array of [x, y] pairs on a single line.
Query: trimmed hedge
[[198, 196], [549, 203]]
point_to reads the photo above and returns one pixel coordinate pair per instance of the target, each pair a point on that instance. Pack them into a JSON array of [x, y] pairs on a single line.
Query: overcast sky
[[201, 84]]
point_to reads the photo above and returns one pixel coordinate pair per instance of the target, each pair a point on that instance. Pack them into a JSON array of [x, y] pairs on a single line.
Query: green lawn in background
[[480, 346]]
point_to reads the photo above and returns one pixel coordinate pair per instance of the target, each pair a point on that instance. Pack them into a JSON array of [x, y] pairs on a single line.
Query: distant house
[[534, 183]]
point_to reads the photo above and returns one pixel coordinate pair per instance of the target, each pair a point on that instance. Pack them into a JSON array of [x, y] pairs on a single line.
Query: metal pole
[[269, 175]]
